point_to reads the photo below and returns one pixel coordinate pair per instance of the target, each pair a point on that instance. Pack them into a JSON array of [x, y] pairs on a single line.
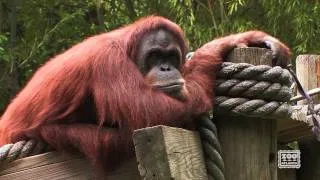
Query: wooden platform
[[298, 127], [54, 165], [162, 153]]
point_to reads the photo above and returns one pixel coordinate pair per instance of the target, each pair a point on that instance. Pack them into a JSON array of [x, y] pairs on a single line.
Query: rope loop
[[245, 71], [253, 91]]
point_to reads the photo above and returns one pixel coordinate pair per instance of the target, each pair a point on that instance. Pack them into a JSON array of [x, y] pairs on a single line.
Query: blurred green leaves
[[4, 56]]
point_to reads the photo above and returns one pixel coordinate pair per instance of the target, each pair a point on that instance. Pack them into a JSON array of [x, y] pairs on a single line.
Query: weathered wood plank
[[71, 169], [308, 73], [163, 153], [295, 131], [169, 153], [54, 165], [35, 161], [296, 128]]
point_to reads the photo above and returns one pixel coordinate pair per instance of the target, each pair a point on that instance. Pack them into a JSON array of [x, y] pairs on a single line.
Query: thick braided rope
[[245, 71], [211, 147], [254, 91], [20, 149], [252, 107]]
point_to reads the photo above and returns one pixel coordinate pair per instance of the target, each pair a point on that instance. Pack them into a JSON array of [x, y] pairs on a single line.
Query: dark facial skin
[[160, 59]]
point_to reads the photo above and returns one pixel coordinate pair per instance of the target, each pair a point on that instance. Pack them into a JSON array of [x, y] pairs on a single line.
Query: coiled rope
[[254, 91], [247, 71]]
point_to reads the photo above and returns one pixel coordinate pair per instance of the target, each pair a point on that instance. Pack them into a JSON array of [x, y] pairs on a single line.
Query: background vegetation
[[34, 30]]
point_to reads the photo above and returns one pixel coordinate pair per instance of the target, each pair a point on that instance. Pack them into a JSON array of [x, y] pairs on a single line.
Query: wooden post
[[308, 73], [249, 145], [169, 153]]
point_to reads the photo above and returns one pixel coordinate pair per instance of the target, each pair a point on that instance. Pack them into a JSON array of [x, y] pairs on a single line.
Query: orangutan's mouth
[[173, 87]]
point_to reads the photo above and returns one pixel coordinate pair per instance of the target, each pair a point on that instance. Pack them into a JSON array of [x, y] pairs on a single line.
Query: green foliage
[[234, 5], [293, 145], [4, 56], [4, 61], [295, 21]]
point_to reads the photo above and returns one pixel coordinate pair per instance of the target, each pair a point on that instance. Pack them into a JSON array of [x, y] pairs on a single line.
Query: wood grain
[[169, 153], [248, 144], [54, 165]]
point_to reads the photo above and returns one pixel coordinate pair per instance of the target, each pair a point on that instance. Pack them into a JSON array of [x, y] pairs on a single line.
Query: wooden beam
[[312, 92], [54, 165], [249, 145], [169, 153], [298, 127], [162, 152]]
